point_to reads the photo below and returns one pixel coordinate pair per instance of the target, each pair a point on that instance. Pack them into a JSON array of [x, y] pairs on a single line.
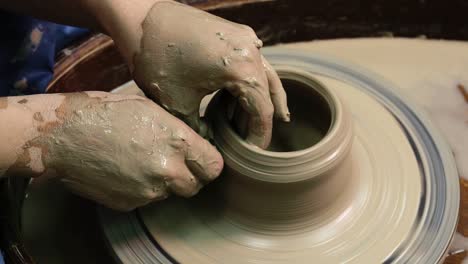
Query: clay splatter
[[38, 117], [3, 103]]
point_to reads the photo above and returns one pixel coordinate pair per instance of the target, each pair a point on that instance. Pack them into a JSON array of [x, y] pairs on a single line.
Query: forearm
[[23, 119]]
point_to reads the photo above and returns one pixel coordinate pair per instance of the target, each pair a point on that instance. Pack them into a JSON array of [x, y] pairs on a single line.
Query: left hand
[[186, 53]]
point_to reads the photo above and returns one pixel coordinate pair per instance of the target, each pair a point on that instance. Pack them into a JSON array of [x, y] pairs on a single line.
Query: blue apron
[[27, 52]]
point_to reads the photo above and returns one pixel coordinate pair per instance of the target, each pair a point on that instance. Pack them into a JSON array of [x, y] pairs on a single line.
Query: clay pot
[[306, 161]]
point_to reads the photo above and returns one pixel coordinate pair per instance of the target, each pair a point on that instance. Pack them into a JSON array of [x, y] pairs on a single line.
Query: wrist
[[122, 20]]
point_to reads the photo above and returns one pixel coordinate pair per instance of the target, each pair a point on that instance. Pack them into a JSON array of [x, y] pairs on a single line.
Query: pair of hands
[[184, 55]]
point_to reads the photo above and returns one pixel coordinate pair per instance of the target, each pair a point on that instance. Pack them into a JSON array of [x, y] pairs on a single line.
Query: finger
[[203, 159], [187, 109], [241, 121], [277, 93], [193, 120], [255, 100], [183, 182]]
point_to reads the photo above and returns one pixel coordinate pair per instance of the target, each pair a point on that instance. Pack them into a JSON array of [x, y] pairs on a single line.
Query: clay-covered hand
[[186, 53], [126, 151]]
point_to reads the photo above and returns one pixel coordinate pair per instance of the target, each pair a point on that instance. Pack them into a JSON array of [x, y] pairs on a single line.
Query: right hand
[[126, 151]]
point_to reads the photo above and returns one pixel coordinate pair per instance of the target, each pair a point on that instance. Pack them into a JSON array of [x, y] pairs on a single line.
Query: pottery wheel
[[400, 206]]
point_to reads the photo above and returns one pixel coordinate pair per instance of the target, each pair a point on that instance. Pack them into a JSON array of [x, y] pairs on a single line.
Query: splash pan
[[397, 198]]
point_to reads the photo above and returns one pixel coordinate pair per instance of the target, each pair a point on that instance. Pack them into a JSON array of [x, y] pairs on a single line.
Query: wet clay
[[439, 93], [290, 207], [266, 180], [177, 66]]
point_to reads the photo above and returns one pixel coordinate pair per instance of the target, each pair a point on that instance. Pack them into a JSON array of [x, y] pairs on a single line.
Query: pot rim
[[290, 166]]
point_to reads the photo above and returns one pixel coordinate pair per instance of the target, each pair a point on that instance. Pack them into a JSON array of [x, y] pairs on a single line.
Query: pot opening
[[311, 119]]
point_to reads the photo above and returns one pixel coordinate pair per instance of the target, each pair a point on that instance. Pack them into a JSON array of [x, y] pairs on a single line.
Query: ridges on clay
[[306, 161], [335, 203]]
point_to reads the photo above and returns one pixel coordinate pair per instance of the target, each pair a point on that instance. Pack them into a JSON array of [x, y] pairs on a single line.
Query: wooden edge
[[462, 227], [74, 55], [220, 4], [456, 258]]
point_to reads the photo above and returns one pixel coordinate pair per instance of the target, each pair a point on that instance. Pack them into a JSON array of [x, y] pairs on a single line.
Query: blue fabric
[[27, 51]]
